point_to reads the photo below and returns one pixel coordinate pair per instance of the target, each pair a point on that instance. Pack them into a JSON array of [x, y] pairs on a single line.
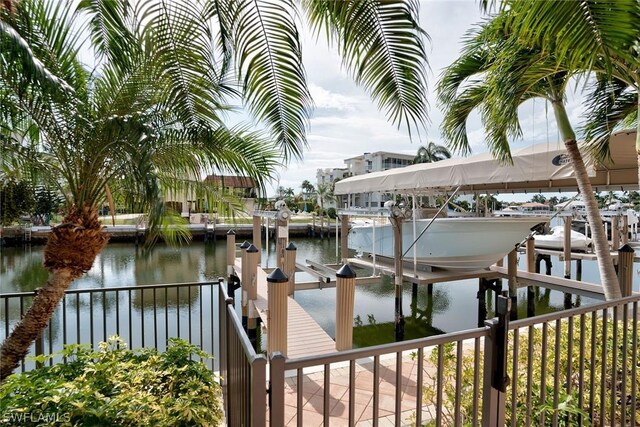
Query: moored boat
[[449, 243], [555, 240]]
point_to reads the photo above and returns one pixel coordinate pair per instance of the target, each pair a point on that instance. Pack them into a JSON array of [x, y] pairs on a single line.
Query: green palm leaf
[[382, 47], [267, 50]]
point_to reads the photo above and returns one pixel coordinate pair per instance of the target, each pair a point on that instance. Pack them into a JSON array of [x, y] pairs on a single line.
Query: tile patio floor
[[312, 390]]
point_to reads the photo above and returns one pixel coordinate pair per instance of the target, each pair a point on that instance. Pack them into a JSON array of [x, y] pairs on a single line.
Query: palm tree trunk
[[16, 346], [608, 275], [70, 252]]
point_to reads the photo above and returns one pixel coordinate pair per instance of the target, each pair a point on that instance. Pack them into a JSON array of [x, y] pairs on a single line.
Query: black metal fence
[[144, 316]]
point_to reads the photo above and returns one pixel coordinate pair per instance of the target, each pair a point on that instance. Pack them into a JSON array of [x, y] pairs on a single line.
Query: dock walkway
[[304, 336]]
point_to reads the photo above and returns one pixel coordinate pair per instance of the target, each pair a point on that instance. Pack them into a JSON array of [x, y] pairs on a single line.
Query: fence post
[[495, 365], [276, 390], [259, 391]]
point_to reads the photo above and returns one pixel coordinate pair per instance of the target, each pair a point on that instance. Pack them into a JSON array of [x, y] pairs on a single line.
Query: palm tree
[[502, 73], [149, 115], [324, 192], [431, 153], [590, 36]]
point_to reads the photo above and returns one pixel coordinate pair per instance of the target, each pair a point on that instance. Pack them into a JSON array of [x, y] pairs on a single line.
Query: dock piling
[[625, 269], [345, 295], [290, 253], [277, 315]]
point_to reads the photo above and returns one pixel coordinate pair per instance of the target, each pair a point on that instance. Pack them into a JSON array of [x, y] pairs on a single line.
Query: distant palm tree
[[325, 194], [431, 153]]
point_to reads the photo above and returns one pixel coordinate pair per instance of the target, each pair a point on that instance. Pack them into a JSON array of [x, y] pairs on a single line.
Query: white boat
[[555, 240], [449, 243]]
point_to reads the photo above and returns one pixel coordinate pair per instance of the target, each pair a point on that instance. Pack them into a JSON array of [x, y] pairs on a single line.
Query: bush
[[331, 212], [116, 386], [568, 409]]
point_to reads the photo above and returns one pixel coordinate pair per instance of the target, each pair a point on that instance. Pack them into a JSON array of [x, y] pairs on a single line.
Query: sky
[[346, 123]]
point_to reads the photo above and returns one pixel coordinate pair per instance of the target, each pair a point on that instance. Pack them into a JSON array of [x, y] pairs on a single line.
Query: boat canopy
[[535, 169]]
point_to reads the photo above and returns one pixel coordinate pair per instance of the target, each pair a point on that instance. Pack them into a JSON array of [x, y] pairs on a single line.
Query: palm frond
[[578, 32], [268, 57], [382, 46], [612, 104]]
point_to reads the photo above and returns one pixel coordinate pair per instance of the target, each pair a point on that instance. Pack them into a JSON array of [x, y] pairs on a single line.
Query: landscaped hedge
[[542, 409], [116, 386]]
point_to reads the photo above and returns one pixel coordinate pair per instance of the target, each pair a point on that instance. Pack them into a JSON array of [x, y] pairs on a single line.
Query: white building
[[359, 165], [328, 177], [373, 162]]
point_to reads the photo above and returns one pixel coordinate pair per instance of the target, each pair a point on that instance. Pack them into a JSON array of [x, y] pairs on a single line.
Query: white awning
[[534, 169]]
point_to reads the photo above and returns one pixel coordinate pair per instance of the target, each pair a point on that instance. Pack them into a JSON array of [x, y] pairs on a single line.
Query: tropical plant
[[16, 199], [502, 73], [116, 386], [533, 363], [324, 192], [590, 36], [149, 116], [431, 153]]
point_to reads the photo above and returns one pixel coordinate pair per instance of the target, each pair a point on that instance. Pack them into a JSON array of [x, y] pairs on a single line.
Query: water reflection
[[451, 307]]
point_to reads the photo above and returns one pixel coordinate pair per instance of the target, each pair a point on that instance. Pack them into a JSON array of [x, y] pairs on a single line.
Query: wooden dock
[[304, 336]]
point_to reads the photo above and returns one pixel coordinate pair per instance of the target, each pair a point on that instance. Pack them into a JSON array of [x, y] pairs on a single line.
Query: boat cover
[[535, 168]]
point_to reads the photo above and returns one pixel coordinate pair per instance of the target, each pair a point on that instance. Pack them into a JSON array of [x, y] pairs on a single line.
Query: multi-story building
[[328, 177], [373, 162]]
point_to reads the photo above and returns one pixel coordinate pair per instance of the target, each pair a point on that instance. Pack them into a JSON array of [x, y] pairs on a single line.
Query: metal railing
[[242, 370], [576, 367], [144, 316]]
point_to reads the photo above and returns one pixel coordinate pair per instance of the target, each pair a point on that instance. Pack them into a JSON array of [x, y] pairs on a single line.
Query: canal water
[[451, 307]]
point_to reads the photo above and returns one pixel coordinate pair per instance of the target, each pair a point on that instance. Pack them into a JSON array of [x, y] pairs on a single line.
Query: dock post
[[231, 251], [531, 268], [244, 282], [482, 301], [290, 266], [251, 290], [567, 248], [257, 234], [345, 296], [396, 222], [625, 269], [615, 231], [344, 236], [625, 229], [567, 258], [277, 316], [579, 270], [313, 224], [282, 234], [512, 272]]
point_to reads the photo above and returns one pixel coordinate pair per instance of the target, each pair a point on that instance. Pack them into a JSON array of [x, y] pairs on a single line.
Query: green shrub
[[116, 386], [331, 212], [568, 408]]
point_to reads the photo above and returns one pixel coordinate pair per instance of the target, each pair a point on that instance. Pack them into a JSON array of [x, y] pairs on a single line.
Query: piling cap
[[245, 245], [231, 232], [252, 249], [291, 247], [346, 272], [277, 276], [626, 248]]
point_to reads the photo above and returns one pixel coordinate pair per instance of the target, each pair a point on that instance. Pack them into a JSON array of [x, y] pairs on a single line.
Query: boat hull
[[555, 240], [449, 243]]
